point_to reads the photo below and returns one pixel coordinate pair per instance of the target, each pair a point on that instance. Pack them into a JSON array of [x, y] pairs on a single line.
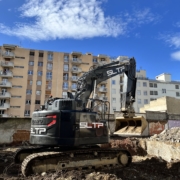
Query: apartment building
[[146, 89], [28, 77]]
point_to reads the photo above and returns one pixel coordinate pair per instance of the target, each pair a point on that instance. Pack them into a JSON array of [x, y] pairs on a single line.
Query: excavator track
[[75, 159]]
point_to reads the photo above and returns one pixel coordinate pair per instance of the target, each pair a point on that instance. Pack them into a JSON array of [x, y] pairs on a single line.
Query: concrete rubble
[[171, 135], [165, 145]]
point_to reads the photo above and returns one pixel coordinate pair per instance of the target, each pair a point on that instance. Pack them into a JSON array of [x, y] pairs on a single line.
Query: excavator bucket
[[130, 126]]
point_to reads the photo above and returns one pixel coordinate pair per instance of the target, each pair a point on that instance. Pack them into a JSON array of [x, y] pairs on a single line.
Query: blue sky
[[147, 30]]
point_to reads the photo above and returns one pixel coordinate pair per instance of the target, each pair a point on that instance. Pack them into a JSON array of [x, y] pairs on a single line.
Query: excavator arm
[[92, 78]]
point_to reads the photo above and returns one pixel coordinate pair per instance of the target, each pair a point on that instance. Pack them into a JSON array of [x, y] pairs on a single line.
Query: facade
[[146, 89], [28, 77]]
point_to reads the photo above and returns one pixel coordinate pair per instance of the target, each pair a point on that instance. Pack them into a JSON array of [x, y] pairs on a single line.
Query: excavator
[[68, 133]]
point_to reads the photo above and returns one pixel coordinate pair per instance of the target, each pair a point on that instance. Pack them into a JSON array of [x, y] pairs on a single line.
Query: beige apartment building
[[28, 77]]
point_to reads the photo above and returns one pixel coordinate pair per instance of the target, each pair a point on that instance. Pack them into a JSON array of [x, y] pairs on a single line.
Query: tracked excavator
[[67, 133]]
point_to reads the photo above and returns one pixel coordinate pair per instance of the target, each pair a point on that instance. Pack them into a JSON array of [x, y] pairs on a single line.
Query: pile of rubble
[[170, 135]]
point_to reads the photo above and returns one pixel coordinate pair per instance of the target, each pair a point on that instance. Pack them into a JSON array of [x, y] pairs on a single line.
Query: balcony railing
[[4, 115], [7, 74], [73, 88], [7, 64], [8, 54], [5, 95], [74, 78], [104, 98], [76, 70], [4, 106], [65, 87], [65, 78], [102, 62], [102, 89], [104, 82], [76, 61], [5, 84]]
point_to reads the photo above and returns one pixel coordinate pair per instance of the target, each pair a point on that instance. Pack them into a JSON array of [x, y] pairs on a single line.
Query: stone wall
[[14, 130]]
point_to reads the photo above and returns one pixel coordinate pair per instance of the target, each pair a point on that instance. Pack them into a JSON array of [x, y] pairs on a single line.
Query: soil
[[142, 168]]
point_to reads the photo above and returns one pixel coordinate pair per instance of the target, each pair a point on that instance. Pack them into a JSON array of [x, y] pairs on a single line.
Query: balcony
[[65, 88], [4, 106], [103, 98], [104, 82], [73, 88], [76, 53], [76, 70], [5, 84], [74, 78], [4, 115], [66, 60], [65, 78], [10, 46], [8, 54], [76, 61], [102, 89], [7, 74], [95, 61], [5, 95], [102, 63], [7, 64]]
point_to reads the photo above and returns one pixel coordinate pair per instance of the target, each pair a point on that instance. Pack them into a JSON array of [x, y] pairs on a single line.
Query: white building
[[146, 89]]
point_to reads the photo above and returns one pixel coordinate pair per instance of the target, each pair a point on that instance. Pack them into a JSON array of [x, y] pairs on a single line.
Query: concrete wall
[[14, 130]]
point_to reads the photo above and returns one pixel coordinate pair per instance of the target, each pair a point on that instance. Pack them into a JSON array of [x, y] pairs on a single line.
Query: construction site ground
[[147, 164]]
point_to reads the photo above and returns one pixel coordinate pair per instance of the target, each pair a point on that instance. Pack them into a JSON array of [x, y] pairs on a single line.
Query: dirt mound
[[171, 135]]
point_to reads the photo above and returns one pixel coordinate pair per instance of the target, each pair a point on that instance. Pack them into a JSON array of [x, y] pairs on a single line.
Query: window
[[155, 85], [139, 101], [28, 101], [65, 85], [144, 84], [95, 60], [145, 101], [138, 84], [145, 93], [40, 73], [31, 53], [152, 99], [49, 66], [40, 54], [66, 67], [163, 90], [37, 102], [155, 93], [31, 63], [176, 86], [39, 83], [114, 108], [138, 92], [28, 91], [17, 86], [177, 94], [30, 82], [27, 113], [114, 100], [50, 57], [150, 84], [18, 76], [18, 66], [113, 91], [49, 75], [38, 92], [113, 82], [30, 72], [40, 63], [16, 96], [66, 58]]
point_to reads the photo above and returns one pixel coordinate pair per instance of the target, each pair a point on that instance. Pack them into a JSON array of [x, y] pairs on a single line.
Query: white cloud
[[176, 55], [172, 39], [52, 19]]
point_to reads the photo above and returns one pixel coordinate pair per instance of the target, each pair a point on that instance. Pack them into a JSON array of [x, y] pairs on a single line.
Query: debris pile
[[171, 135]]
